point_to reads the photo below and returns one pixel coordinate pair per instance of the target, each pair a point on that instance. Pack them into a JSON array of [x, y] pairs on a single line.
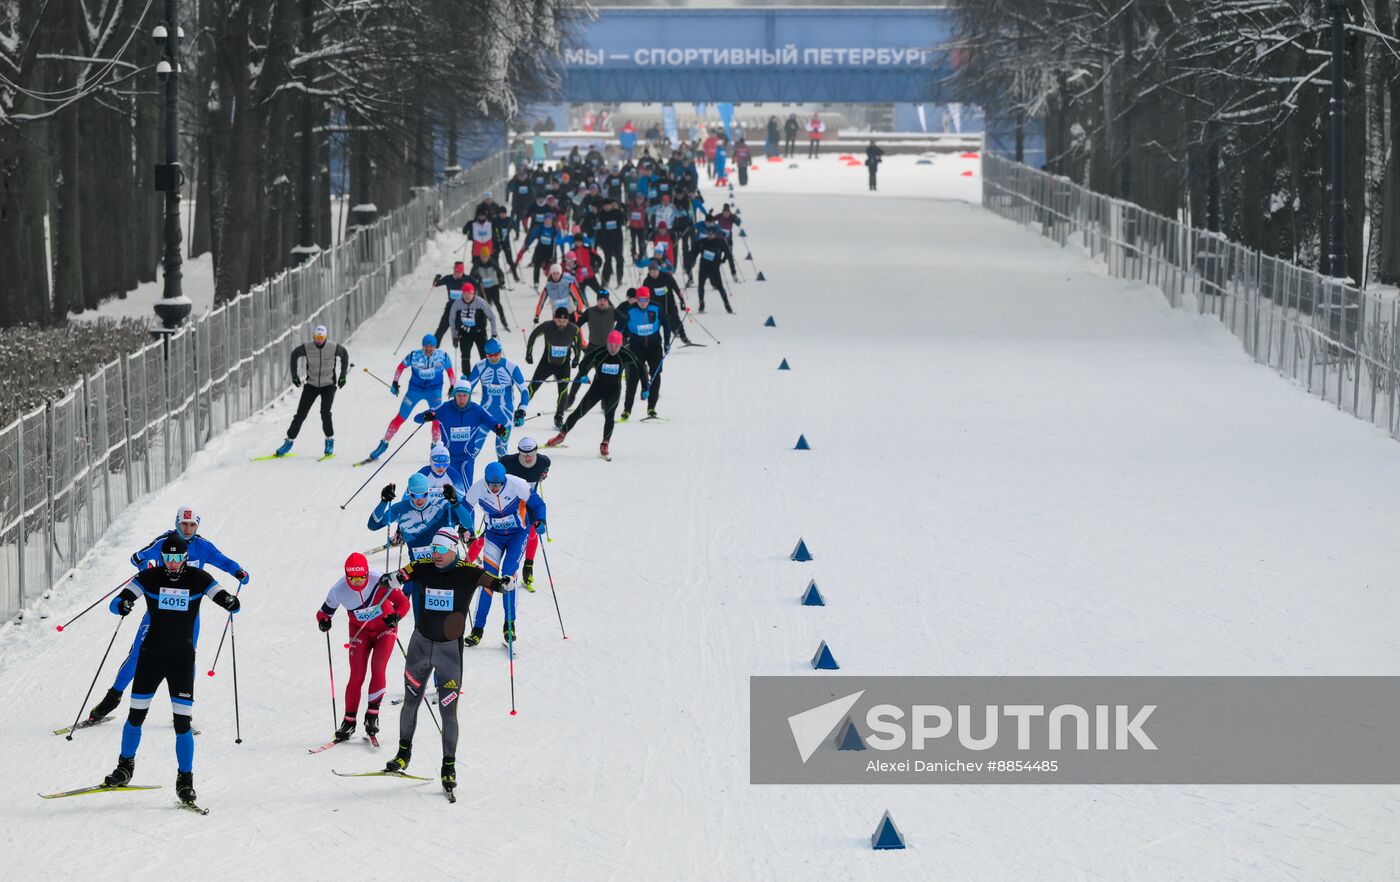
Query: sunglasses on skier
[[175, 558], [417, 496], [356, 581], [443, 549], [495, 487]]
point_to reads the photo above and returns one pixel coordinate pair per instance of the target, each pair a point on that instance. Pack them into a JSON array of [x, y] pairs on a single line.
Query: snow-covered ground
[[945, 176], [1019, 466]]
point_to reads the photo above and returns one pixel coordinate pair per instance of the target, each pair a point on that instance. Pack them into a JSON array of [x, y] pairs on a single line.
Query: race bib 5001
[[437, 599]]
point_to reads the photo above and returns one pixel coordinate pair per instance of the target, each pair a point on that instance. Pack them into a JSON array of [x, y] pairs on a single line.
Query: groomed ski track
[[1019, 466]]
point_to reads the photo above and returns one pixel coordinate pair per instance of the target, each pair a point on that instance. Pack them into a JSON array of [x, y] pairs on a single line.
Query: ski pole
[[690, 315], [429, 706], [383, 464], [95, 675], [381, 382], [510, 648], [233, 651], [409, 329], [94, 603], [335, 714], [547, 572], [227, 622]]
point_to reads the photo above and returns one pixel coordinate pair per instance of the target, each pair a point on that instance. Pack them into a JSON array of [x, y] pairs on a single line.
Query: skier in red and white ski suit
[[373, 607]]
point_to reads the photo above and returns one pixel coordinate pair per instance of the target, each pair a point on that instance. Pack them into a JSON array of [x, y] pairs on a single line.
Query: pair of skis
[[289, 456], [372, 739], [125, 788]]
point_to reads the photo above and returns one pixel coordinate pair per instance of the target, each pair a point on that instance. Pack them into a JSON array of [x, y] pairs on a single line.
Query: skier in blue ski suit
[[501, 382], [202, 553], [419, 514], [426, 367], [464, 426], [510, 507]]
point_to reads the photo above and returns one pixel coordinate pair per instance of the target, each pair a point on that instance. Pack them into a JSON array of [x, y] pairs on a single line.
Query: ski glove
[[391, 620], [394, 388], [323, 621], [540, 526], [122, 605], [428, 416], [388, 493], [501, 430], [519, 417], [340, 384], [403, 575], [436, 279], [242, 577], [466, 535], [232, 605], [296, 381], [449, 493]]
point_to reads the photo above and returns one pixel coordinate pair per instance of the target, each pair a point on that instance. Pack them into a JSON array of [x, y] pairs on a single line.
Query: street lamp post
[[1338, 267], [173, 306]]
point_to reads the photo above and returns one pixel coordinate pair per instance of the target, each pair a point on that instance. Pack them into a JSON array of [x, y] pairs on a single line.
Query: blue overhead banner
[[754, 54]]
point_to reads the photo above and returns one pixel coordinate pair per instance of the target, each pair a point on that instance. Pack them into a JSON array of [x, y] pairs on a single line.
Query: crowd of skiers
[[577, 228]]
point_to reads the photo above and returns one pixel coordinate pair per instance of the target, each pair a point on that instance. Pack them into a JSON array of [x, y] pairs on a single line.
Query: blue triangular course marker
[[848, 736], [924, 162], [760, 277], [886, 835], [823, 660], [748, 257], [784, 366], [770, 323], [743, 235], [812, 597], [802, 443], [800, 553]]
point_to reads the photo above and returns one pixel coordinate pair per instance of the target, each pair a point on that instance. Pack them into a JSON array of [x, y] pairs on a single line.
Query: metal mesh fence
[[69, 469], [1336, 340]]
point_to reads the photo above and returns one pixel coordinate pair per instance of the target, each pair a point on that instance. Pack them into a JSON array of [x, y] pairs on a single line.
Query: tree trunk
[[65, 227]]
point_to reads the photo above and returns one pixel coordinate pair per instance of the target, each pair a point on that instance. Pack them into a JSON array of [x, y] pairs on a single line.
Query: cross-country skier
[[427, 367], [561, 290], [463, 426], [501, 381], [642, 325], [419, 514], [468, 318], [545, 237], [202, 553], [666, 294], [321, 382], [714, 252], [373, 607], [527, 463], [453, 281], [491, 278], [439, 472], [511, 507], [173, 593], [562, 349], [440, 590], [609, 364], [600, 319], [611, 221]]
